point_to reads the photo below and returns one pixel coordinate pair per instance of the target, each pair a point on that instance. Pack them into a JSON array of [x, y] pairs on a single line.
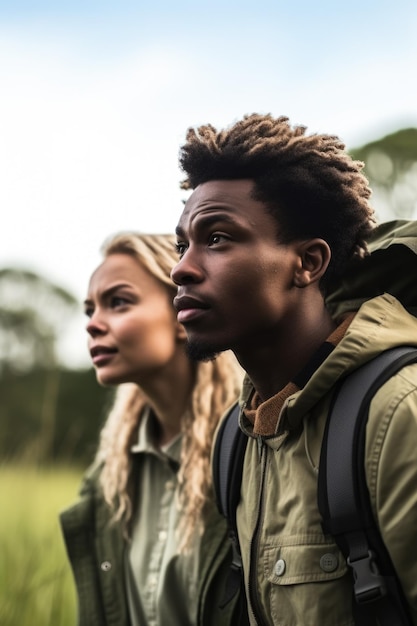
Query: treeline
[[51, 415], [391, 167]]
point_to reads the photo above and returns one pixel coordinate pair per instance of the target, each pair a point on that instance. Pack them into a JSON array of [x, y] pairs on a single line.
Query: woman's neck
[[169, 395]]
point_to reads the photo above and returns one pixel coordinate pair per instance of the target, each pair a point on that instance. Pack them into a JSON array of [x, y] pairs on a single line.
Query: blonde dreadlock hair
[[309, 183], [216, 387]]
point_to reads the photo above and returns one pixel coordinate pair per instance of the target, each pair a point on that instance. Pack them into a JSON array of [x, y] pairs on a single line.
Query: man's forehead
[[226, 200], [226, 190], [198, 213], [218, 193]]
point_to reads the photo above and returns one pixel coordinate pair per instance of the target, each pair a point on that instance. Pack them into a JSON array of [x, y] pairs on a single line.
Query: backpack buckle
[[369, 585]]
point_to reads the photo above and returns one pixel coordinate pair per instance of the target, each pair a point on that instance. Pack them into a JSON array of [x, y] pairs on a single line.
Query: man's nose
[[187, 269]]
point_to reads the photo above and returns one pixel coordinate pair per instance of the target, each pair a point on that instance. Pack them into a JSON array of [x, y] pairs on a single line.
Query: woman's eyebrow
[[108, 292]]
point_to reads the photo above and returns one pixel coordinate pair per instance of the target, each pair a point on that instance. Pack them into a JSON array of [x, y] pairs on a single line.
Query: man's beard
[[197, 351]]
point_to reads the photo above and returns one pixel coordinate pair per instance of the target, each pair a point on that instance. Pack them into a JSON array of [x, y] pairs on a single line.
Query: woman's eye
[[118, 301], [89, 311]]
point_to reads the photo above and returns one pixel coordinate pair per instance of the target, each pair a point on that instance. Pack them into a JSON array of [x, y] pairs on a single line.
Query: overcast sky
[[96, 98]]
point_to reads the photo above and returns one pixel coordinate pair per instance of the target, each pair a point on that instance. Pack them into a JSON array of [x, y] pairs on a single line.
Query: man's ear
[[314, 259]]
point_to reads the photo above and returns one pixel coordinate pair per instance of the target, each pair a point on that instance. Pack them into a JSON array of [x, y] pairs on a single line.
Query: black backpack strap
[[343, 496], [229, 450], [227, 465]]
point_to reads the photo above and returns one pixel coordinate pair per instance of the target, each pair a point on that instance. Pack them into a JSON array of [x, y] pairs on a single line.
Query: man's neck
[[273, 364]]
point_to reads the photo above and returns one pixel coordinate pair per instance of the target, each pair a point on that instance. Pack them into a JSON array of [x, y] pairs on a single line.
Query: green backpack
[[391, 267]]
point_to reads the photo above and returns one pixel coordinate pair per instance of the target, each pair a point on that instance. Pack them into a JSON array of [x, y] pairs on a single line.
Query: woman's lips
[[101, 355]]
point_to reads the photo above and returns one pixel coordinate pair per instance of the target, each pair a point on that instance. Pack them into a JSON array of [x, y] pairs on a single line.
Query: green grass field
[[36, 586]]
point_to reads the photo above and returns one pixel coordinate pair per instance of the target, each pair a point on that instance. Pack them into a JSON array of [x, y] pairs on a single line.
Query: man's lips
[[101, 354], [188, 308]]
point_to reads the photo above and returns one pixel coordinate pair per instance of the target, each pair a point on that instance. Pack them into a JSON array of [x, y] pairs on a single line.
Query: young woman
[[146, 543]]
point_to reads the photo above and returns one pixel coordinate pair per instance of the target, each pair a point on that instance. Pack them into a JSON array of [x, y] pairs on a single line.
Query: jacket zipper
[[254, 600]]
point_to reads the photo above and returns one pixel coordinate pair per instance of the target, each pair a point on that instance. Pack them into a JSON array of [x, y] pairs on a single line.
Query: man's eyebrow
[[219, 216], [207, 220]]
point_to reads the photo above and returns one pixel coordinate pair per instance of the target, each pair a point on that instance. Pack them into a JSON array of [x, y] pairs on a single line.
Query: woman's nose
[[95, 325]]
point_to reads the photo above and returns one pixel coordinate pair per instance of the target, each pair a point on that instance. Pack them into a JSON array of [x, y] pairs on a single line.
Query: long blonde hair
[[216, 387]]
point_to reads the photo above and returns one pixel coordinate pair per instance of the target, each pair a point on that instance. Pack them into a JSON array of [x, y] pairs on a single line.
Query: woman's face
[[132, 327]]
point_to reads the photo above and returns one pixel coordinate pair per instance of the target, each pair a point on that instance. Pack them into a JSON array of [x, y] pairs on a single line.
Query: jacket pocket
[[309, 582]]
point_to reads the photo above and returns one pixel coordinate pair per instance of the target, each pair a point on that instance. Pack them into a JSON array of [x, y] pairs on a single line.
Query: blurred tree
[[33, 311], [391, 167]]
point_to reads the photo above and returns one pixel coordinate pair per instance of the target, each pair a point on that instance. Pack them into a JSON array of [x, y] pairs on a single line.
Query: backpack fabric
[[390, 267], [344, 499]]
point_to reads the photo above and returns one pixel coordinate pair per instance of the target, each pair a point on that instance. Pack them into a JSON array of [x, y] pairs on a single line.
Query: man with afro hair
[[274, 216]]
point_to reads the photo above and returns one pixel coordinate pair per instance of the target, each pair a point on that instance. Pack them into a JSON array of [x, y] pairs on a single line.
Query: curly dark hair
[[309, 183]]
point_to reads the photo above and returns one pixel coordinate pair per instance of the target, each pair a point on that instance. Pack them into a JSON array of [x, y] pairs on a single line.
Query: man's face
[[235, 280]]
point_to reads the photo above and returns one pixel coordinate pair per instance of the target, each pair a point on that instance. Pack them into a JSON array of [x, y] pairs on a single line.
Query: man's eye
[[216, 238], [180, 248]]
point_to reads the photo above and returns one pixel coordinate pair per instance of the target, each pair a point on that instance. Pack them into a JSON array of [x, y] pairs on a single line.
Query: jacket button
[[329, 562], [279, 567], [105, 566]]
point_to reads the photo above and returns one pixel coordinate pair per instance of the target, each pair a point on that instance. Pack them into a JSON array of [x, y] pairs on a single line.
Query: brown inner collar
[[265, 415]]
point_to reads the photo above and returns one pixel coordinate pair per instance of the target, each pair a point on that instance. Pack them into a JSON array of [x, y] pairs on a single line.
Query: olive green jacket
[[294, 574], [96, 550]]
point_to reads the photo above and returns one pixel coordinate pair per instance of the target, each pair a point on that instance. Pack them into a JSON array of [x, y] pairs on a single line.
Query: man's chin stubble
[[200, 352]]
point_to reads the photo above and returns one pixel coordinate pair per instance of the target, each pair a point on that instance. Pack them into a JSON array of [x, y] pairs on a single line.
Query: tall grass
[[36, 586]]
